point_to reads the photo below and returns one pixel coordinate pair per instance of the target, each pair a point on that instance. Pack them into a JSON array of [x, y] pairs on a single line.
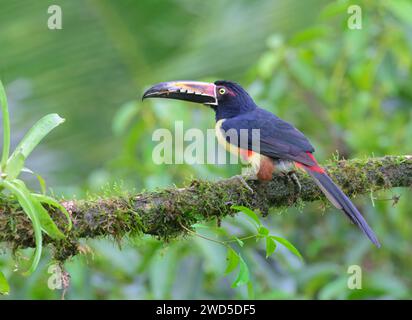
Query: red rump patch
[[312, 157], [315, 167]]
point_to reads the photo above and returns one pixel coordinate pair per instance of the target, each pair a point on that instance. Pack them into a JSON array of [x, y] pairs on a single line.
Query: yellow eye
[[222, 91]]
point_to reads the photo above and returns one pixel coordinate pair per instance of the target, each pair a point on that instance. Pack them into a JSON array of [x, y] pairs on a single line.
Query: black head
[[228, 99], [232, 100]]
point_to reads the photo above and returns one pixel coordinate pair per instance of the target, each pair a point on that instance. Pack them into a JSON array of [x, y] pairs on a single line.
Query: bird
[[280, 146]]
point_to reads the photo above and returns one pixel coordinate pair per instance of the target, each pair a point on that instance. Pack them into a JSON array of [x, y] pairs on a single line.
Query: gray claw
[[295, 180]]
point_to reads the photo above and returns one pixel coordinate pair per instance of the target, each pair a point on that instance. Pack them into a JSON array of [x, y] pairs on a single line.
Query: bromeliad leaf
[[6, 126], [14, 165], [4, 285], [289, 246], [10, 169], [232, 260], [23, 197], [47, 224], [42, 183], [54, 203], [37, 133]]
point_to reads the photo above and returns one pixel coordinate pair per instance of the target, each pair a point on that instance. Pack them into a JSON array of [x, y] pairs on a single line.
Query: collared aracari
[[281, 145]]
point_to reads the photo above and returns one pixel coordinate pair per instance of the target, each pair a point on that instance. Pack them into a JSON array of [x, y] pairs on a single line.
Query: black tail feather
[[341, 201]]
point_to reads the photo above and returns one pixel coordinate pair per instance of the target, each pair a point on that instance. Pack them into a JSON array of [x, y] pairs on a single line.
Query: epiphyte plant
[[10, 185]]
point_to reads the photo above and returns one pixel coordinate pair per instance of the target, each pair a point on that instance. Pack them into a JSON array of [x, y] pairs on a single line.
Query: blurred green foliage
[[348, 90]]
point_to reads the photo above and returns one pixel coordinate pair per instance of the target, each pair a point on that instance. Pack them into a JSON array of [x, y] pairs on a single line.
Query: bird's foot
[[292, 175], [243, 180]]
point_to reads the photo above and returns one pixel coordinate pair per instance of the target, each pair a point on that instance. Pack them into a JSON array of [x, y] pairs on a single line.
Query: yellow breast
[[251, 157], [221, 139]]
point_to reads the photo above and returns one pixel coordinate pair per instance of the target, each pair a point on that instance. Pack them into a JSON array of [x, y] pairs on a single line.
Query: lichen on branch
[[162, 213]]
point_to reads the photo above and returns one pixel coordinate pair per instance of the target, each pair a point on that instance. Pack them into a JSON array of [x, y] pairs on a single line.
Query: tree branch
[[162, 213]]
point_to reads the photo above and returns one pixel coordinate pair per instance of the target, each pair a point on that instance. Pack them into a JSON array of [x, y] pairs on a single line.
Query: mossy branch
[[162, 213]]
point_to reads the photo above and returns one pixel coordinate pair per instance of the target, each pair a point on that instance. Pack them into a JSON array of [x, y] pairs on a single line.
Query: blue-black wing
[[278, 138]]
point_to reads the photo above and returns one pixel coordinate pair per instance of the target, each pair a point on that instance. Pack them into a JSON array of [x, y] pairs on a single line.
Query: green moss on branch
[[161, 213]]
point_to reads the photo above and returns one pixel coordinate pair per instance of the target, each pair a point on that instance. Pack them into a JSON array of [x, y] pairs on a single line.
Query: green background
[[348, 90]]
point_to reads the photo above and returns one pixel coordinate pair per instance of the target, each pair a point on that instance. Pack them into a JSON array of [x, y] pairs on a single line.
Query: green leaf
[[6, 126], [46, 222], [124, 117], [268, 63], [288, 245], [243, 276], [307, 35], [37, 133], [4, 285], [14, 165], [23, 197], [239, 242], [42, 182], [263, 231], [250, 213], [232, 260], [270, 246], [250, 291], [333, 9], [54, 203], [402, 9], [201, 226]]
